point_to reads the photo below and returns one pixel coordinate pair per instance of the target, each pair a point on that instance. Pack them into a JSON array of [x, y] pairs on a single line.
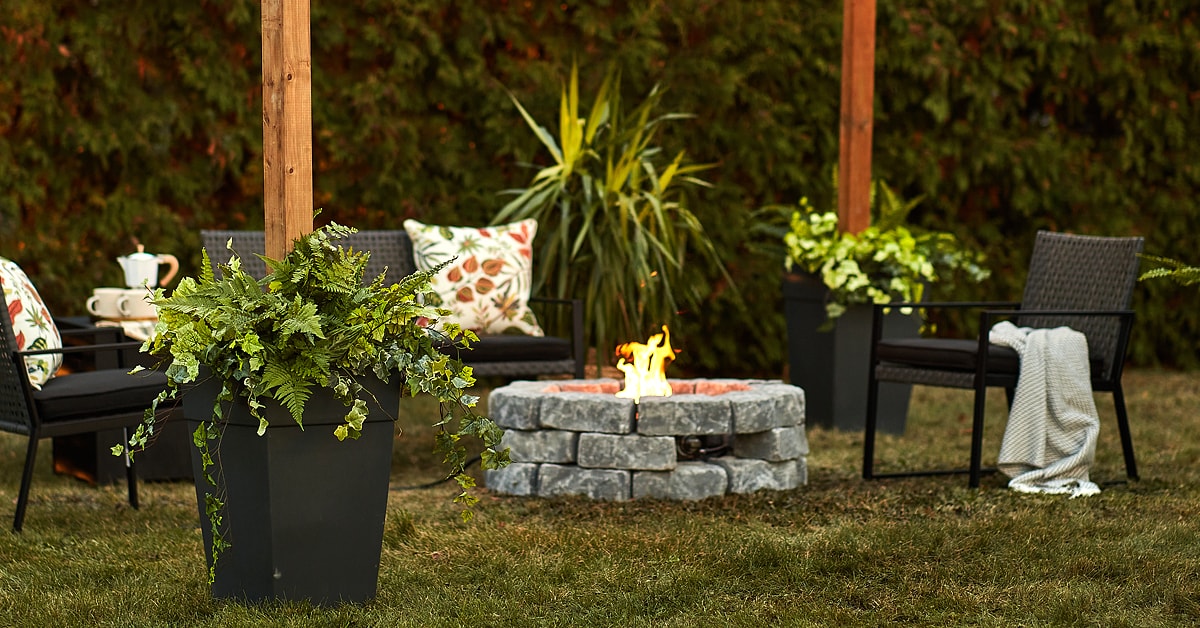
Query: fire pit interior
[[709, 437]]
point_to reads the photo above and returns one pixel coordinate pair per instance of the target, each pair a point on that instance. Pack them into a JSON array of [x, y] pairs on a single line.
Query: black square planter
[[304, 513], [831, 365]]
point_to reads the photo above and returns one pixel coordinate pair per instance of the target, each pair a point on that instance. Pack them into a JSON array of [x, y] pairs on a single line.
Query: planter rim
[[321, 408]]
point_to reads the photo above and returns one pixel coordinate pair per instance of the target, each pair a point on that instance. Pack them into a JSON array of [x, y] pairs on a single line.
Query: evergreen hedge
[[142, 119]]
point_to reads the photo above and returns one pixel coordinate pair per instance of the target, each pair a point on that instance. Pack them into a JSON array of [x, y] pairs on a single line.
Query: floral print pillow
[[31, 322], [486, 287]]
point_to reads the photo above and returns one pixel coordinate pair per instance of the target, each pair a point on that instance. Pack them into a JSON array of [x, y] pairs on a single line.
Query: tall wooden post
[[858, 93], [287, 123]]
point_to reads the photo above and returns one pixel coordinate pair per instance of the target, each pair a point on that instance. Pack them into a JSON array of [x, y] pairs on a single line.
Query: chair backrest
[[391, 249], [1077, 272], [14, 380]]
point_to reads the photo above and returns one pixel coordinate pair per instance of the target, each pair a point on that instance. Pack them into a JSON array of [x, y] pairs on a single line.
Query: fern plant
[[312, 323], [1171, 269]]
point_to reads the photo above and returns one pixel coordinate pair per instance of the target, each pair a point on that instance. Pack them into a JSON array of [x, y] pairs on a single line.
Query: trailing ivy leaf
[[356, 416]]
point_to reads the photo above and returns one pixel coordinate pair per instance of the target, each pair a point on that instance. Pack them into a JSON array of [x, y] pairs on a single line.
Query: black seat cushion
[[947, 353], [506, 348], [954, 354], [95, 393]]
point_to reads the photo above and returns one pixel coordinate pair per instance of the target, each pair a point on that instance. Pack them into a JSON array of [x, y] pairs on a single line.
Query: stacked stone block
[[578, 438]]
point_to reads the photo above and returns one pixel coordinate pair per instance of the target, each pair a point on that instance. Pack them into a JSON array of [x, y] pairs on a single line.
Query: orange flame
[[646, 375]]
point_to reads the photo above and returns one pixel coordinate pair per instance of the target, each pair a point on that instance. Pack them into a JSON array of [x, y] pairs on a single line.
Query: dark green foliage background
[[142, 119]]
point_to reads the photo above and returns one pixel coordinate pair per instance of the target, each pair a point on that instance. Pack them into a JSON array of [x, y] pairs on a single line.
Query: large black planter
[[832, 365], [304, 513]]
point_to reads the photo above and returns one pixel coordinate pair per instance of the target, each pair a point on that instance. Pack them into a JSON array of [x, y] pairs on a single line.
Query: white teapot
[[141, 268]]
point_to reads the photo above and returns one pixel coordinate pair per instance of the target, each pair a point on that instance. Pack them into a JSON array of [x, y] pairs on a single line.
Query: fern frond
[[1172, 269], [206, 271], [289, 388]]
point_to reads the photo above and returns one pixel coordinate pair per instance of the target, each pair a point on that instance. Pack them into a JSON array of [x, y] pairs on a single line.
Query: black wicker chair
[[507, 357], [76, 403], [1082, 282]]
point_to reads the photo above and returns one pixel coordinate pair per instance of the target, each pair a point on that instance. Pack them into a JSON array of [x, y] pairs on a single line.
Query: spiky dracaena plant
[[312, 323], [612, 216]]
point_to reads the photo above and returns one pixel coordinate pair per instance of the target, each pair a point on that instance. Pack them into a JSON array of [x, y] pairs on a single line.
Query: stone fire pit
[[710, 437]]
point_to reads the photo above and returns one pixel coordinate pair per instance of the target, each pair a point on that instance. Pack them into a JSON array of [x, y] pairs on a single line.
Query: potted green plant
[[275, 372], [833, 278], [613, 217]]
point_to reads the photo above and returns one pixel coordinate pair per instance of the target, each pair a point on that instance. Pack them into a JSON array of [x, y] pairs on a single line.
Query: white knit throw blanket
[[1050, 440]]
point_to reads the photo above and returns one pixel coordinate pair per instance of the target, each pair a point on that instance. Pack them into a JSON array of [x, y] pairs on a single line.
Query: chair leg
[[869, 432], [130, 475], [26, 480], [1123, 426], [872, 395], [977, 435]]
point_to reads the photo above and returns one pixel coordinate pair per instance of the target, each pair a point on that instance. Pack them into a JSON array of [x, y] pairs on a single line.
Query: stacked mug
[[133, 302], [122, 304]]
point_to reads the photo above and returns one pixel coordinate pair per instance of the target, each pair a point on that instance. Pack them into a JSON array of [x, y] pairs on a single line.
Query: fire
[[646, 375]]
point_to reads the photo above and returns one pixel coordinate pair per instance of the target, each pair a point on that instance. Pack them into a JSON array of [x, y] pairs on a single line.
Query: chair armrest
[[108, 355], [1124, 323], [92, 335], [108, 346], [877, 311], [931, 305], [81, 327], [1019, 312], [1124, 317]]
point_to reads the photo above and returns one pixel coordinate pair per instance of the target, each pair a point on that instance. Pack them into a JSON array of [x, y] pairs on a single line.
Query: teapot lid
[[141, 253]]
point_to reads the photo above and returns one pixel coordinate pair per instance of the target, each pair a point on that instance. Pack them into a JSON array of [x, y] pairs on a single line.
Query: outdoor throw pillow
[[31, 322], [486, 287]]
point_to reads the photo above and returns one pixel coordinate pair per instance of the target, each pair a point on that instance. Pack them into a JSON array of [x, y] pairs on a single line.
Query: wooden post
[[287, 123], [858, 93]]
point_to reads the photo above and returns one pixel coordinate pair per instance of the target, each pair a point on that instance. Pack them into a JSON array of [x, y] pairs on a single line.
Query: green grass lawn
[[839, 551]]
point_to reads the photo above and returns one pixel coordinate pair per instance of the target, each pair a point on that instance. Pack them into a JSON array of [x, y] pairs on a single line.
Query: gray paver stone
[[652, 484], [517, 405], [607, 484], [781, 443], [747, 475], [802, 471], [518, 478], [587, 412], [789, 401], [754, 410], [689, 481], [684, 415], [541, 445], [628, 451]]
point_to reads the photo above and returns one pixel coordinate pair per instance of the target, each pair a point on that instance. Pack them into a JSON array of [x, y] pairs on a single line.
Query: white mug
[[106, 302], [135, 304]]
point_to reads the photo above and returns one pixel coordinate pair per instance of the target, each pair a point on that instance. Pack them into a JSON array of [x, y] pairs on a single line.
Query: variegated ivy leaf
[[357, 415]]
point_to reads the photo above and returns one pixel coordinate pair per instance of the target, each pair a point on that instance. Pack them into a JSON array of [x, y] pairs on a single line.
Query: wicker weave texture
[[523, 369], [14, 413], [1077, 272], [389, 249], [912, 375]]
